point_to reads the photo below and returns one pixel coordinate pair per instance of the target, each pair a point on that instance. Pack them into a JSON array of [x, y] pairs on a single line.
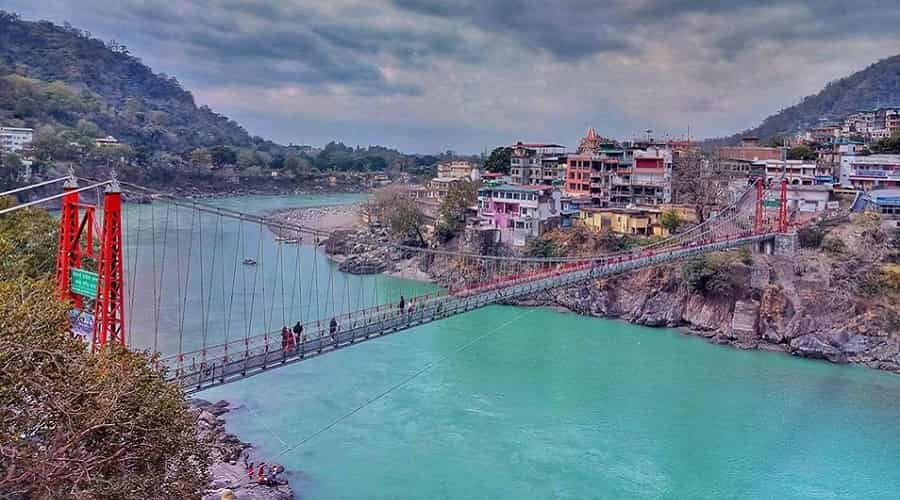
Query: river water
[[510, 402]]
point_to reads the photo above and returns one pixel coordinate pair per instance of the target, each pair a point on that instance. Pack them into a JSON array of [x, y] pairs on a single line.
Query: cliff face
[[788, 304]]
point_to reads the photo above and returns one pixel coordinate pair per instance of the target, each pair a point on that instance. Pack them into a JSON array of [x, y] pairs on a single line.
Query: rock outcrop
[[228, 471], [773, 308]]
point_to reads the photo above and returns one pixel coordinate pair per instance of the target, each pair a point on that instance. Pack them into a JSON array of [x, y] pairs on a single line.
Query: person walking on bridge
[[333, 328], [287, 340], [298, 334], [402, 305]]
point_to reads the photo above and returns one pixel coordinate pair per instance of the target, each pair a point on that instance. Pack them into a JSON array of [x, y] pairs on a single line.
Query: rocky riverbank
[[228, 470], [838, 299], [839, 302]]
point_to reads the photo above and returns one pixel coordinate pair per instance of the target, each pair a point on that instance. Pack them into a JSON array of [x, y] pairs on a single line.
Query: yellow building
[[644, 221], [687, 215], [623, 220]]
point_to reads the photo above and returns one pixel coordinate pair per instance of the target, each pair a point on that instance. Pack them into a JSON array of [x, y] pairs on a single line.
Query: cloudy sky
[[430, 75]]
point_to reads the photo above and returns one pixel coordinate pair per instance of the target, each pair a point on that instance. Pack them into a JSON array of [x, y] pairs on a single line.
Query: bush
[[745, 256], [834, 245], [76, 424], [539, 247], [708, 276], [444, 232], [810, 236]]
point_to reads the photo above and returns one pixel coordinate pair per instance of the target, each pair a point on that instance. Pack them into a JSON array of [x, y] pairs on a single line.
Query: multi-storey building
[[750, 150], [871, 172], [440, 186], [614, 176], [888, 120], [859, 124], [457, 169], [590, 170], [15, 139], [646, 181], [537, 164], [519, 213], [799, 172]]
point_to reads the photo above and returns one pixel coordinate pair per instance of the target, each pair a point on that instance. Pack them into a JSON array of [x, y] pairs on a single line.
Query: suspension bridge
[[191, 258]]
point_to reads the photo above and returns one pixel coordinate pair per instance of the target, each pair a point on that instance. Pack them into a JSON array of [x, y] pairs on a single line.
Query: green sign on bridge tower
[[84, 283]]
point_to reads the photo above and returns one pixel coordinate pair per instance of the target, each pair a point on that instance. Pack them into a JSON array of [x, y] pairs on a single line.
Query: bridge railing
[[221, 363]]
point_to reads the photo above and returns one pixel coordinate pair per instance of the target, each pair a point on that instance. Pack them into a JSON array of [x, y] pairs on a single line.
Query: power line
[[399, 385]]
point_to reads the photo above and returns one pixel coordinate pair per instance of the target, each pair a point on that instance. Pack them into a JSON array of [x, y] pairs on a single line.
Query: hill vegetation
[[76, 423], [73, 88], [874, 87]]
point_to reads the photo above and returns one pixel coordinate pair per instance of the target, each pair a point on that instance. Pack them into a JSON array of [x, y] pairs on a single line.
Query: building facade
[[15, 139], [537, 164], [458, 169], [871, 172], [799, 172], [519, 213]]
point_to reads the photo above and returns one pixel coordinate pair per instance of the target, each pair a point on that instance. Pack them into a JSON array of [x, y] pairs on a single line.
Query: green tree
[[461, 195], [540, 247], [87, 128], [406, 220], [888, 145], [498, 161], [223, 155], [277, 162], [670, 221], [201, 157], [10, 168], [76, 424], [246, 158], [28, 240], [802, 152]]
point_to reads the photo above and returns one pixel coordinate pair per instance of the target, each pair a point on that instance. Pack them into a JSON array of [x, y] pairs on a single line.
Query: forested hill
[[876, 86], [54, 76]]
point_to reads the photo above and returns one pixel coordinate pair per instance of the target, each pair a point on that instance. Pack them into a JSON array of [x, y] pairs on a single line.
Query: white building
[[797, 172], [519, 213], [458, 169], [106, 141], [15, 139], [871, 172]]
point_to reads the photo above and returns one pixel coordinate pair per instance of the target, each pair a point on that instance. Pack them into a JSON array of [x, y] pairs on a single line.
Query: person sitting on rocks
[[261, 475]]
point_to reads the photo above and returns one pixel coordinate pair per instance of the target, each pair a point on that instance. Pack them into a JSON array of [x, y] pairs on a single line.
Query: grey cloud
[[722, 63]]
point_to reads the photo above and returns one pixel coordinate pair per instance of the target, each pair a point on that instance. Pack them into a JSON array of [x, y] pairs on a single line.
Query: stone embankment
[[228, 470], [834, 304]]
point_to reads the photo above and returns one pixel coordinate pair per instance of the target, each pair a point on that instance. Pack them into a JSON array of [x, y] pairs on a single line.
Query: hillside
[[54, 75], [876, 86], [72, 88]]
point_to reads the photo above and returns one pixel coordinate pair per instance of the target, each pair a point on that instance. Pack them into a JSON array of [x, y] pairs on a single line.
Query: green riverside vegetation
[[76, 424]]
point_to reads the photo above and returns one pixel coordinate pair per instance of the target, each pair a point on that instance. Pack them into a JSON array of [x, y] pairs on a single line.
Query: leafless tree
[[699, 179]]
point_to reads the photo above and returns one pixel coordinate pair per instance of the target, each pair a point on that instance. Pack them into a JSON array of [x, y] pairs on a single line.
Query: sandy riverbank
[[323, 218]]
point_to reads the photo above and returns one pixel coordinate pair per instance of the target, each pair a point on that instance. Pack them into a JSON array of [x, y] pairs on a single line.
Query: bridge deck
[[246, 357]]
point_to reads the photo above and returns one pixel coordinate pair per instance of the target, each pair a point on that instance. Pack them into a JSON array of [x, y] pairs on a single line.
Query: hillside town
[[642, 187], [650, 188]]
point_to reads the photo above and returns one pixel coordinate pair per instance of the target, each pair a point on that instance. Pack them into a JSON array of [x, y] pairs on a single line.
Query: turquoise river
[[504, 402]]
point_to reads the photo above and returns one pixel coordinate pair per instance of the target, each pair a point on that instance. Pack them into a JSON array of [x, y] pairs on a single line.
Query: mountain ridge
[[878, 85], [111, 88]]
